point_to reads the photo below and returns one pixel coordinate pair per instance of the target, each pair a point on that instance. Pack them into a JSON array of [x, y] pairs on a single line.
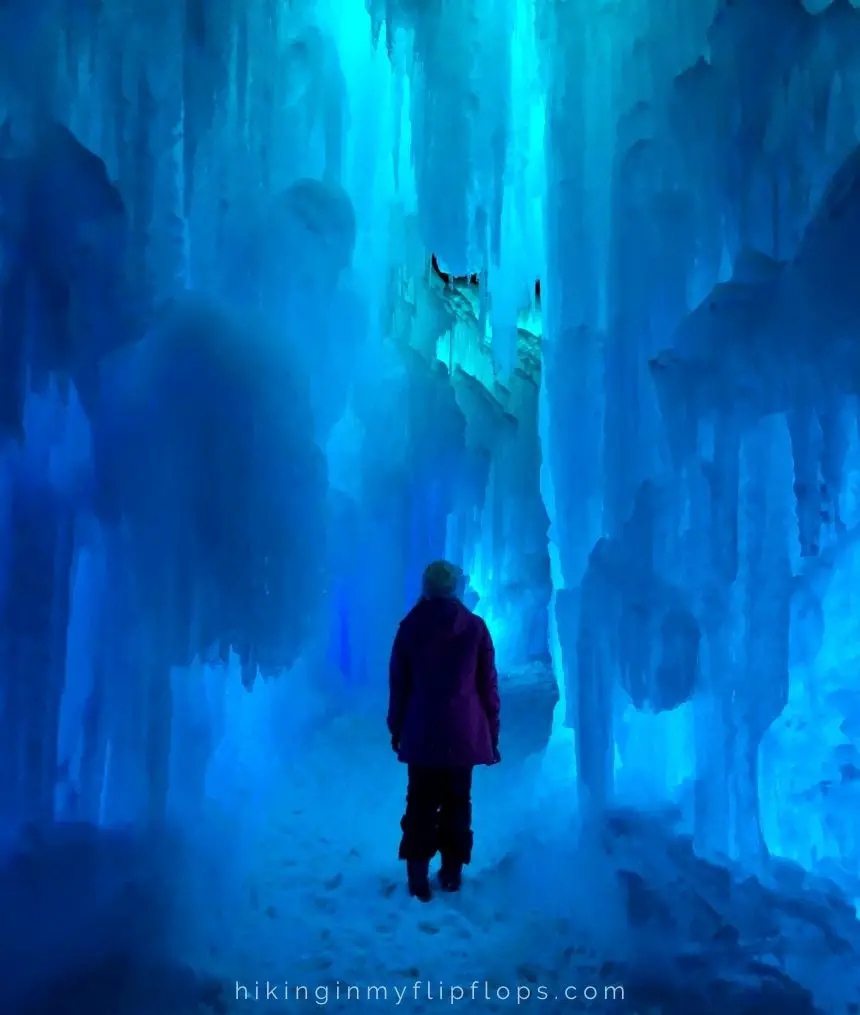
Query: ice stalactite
[[806, 444], [767, 550], [571, 351], [35, 623]]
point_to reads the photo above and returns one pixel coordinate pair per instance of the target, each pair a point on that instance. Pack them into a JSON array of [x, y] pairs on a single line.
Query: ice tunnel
[[298, 297]]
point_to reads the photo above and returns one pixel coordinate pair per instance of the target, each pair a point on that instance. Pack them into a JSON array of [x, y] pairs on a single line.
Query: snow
[[325, 894], [323, 903], [297, 889]]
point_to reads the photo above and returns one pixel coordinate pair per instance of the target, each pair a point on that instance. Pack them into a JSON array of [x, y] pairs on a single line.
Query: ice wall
[[716, 458], [240, 410], [563, 292]]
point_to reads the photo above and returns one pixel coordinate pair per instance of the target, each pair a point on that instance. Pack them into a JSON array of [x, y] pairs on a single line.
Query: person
[[443, 717]]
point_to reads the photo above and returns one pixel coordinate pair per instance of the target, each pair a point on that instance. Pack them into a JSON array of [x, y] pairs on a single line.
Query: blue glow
[[272, 339]]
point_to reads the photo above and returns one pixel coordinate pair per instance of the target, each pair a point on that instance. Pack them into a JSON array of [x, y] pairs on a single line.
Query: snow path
[[324, 902]]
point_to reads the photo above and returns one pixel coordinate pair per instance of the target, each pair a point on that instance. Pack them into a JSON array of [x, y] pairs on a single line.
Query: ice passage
[[296, 297]]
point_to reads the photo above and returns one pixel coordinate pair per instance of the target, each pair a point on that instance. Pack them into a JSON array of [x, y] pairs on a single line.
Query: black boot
[[450, 876], [418, 875]]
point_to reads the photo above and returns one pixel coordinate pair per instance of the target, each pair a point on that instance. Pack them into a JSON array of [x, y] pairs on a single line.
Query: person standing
[[444, 719]]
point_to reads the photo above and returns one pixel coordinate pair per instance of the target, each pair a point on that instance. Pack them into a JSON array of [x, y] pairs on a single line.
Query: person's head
[[442, 580]]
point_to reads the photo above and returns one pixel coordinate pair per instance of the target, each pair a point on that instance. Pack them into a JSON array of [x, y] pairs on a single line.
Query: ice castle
[[299, 295]]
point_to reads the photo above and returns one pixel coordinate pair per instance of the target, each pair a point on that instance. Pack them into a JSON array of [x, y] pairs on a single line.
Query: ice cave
[[297, 296]]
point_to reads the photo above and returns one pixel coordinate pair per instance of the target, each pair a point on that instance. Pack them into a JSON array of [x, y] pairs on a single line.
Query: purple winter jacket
[[443, 705]]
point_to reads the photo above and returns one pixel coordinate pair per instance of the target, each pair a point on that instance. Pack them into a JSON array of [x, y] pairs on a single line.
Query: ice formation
[[296, 297]]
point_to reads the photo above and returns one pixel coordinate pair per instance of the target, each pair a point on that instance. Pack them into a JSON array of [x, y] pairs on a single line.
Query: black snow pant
[[438, 815]]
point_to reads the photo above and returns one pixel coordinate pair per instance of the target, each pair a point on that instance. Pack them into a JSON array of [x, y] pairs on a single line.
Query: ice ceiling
[[271, 338]]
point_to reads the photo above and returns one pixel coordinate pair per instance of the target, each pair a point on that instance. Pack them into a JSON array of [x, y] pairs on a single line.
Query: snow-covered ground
[[325, 906], [297, 883], [624, 917]]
